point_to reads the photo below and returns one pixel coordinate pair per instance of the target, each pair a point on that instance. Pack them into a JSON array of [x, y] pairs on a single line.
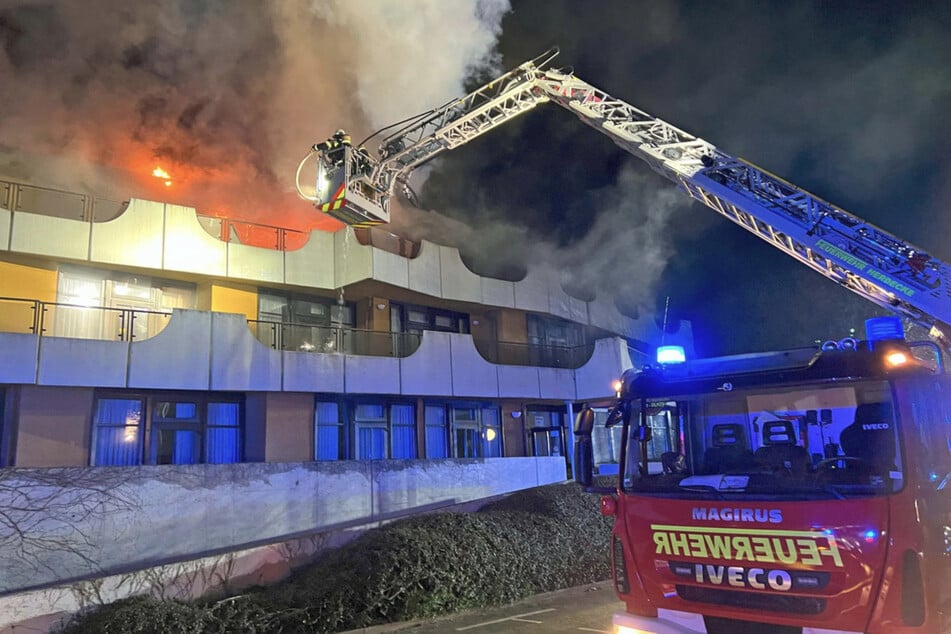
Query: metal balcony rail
[[534, 354], [253, 233], [333, 339], [59, 203], [79, 321]]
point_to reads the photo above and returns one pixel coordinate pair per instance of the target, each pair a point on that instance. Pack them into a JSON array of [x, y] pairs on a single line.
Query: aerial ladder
[[356, 188]]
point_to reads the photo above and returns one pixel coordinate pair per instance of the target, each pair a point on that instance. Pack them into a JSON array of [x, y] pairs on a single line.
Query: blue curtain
[[437, 440], [223, 442], [327, 434], [372, 443], [117, 437], [186, 447], [403, 425]]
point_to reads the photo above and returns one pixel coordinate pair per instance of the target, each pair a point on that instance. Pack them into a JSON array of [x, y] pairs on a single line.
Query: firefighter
[[363, 160], [333, 147]]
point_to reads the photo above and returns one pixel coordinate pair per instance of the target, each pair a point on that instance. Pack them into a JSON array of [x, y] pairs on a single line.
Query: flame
[[158, 172]]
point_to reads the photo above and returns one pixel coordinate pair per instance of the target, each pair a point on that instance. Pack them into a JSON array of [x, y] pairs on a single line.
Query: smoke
[[225, 95]]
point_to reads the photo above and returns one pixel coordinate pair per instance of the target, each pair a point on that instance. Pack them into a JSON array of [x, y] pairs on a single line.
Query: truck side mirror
[[584, 451], [584, 460], [584, 422]]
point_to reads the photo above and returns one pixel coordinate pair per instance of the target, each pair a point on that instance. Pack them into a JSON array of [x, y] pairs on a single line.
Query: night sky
[[848, 100]]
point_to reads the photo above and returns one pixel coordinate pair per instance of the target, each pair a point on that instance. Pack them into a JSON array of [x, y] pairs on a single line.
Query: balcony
[[526, 354], [286, 336], [78, 321]]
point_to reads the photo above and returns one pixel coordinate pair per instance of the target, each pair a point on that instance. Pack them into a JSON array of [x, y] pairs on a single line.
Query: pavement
[[586, 608]]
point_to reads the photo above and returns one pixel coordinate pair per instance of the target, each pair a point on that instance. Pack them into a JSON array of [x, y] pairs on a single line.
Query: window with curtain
[[167, 430], [117, 432], [328, 432], [83, 317], [371, 428], [385, 431], [223, 433], [437, 432], [403, 429]]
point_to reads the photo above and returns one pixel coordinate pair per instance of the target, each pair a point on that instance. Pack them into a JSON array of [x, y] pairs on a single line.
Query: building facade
[[168, 390]]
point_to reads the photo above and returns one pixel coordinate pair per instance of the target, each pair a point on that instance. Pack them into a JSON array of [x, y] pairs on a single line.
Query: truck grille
[[752, 600]]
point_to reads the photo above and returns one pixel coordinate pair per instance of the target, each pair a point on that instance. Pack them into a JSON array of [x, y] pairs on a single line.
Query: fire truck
[[803, 490]]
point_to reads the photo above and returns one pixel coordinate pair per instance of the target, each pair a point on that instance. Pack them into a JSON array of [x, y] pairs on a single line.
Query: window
[[372, 434], [437, 433], [403, 425], [308, 324], [547, 432], [223, 433], [476, 432], [385, 431], [178, 430], [101, 302], [416, 319], [176, 433], [329, 436], [117, 435]]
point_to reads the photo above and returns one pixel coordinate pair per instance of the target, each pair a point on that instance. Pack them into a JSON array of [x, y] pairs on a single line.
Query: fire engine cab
[[804, 490]]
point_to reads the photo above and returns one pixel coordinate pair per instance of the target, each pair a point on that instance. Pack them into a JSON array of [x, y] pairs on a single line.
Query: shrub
[[531, 541]]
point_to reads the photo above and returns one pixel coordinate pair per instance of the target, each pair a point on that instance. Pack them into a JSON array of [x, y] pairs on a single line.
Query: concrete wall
[[200, 350], [108, 519]]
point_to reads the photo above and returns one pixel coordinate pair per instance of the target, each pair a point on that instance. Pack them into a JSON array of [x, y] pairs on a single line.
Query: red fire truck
[[796, 491]]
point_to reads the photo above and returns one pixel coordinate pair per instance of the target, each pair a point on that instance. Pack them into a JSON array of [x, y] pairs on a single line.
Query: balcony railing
[[58, 203], [78, 321], [546, 356], [330, 339], [254, 234]]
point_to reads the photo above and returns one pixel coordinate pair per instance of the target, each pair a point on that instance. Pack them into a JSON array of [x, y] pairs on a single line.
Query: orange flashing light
[[896, 358]]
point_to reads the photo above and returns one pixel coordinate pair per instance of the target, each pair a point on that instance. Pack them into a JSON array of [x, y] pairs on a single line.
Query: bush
[[531, 541]]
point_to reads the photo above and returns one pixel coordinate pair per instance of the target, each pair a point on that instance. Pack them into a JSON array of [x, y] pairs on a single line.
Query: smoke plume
[[224, 95]]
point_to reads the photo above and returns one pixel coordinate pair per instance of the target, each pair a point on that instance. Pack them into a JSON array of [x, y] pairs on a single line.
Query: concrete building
[[168, 391]]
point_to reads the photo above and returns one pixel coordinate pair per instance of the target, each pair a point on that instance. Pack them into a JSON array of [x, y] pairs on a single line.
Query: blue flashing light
[[883, 328], [671, 354], [870, 535]]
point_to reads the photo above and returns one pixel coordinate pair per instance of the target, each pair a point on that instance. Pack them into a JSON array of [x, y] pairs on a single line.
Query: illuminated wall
[[23, 282]]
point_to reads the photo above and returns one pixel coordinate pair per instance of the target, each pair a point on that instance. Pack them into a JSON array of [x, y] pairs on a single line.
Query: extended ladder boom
[[862, 257]]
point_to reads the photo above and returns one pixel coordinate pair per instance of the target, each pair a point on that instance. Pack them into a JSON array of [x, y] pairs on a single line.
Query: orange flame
[[158, 172]]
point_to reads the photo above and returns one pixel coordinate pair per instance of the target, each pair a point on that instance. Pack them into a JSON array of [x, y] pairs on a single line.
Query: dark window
[[416, 319], [309, 324]]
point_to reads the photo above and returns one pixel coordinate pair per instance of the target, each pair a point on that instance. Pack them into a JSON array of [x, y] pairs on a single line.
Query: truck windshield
[[838, 441]]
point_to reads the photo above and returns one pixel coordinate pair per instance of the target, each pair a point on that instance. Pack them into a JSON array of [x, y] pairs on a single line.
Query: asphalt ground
[[586, 608]]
